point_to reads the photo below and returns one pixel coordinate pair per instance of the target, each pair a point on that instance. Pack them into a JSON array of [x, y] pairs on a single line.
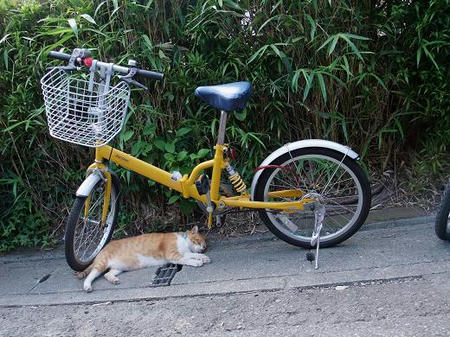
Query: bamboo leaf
[[346, 67], [96, 31], [418, 56], [399, 127], [294, 81], [283, 58], [265, 23], [326, 42], [14, 126], [313, 26], [4, 38], [332, 45], [88, 18], [430, 56], [258, 53], [352, 46], [309, 82], [344, 129], [379, 80], [99, 7], [323, 89], [357, 37], [251, 134], [56, 32], [274, 7], [73, 25], [183, 131], [147, 42]]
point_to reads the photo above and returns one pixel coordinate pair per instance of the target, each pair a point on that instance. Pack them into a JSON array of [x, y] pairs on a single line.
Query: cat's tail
[[82, 274]]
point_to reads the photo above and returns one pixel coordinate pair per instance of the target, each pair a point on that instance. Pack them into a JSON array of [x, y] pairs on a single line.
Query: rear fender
[[300, 145]]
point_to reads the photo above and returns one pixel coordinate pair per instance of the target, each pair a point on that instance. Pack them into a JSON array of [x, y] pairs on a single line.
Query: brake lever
[[136, 83], [128, 78]]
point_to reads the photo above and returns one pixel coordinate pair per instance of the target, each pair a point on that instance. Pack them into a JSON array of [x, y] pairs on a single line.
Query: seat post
[[222, 127]]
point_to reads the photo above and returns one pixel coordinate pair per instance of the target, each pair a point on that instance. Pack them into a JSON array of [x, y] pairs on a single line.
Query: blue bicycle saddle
[[227, 97]]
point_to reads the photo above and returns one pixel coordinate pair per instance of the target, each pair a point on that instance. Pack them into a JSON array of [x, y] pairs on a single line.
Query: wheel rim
[[90, 237], [336, 187]]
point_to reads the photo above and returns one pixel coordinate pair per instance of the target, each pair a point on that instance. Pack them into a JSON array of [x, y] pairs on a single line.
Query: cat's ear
[[194, 230]]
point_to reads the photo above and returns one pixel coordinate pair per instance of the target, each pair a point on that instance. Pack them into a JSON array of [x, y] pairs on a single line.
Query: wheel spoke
[[89, 235], [341, 206], [325, 188], [325, 178]]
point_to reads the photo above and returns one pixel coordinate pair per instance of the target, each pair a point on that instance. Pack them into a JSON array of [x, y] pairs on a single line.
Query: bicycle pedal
[[165, 274]]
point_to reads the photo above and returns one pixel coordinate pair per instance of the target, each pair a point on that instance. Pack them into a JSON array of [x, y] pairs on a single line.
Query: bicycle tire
[[310, 155], [72, 256], [441, 223]]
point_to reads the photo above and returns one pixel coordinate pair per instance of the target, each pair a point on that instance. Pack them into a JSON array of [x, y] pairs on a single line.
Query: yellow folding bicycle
[[305, 191]]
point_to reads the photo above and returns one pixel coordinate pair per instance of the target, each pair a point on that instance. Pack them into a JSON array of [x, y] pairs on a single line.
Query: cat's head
[[198, 241]]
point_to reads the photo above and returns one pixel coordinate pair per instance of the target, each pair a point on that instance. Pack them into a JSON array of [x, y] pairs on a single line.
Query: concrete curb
[[399, 222], [365, 227], [309, 279]]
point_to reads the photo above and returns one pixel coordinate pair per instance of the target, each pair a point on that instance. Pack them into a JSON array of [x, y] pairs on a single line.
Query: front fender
[[89, 183], [299, 145]]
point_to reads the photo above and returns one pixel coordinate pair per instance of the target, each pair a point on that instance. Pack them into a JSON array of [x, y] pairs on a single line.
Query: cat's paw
[[115, 281], [87, 289], [195, 263], [205, 259]]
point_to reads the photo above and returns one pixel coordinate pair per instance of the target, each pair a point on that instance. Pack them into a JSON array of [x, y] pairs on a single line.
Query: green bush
[[371, 74]]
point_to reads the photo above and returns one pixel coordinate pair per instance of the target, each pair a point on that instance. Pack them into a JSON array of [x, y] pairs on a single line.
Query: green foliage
[[370, 74]]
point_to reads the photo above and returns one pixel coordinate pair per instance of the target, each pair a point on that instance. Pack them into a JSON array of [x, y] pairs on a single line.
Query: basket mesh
[[80, 116]]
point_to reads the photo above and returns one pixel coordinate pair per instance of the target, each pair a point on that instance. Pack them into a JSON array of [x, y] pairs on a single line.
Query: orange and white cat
[[146, 250]]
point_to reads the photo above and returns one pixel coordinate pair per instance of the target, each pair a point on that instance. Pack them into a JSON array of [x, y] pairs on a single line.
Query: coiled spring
[[236, 180]]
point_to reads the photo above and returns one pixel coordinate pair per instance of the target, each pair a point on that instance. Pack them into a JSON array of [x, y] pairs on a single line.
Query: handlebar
[[121, 69], [59, 56]]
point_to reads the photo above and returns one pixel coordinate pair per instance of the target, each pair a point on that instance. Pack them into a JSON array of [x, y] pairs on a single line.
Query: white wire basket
[[83, 111]]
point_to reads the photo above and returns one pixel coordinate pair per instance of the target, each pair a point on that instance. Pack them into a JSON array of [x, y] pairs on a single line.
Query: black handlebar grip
[[150, 74], [60, 56]]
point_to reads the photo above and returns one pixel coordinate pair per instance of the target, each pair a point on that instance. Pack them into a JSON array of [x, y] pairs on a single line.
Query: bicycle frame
[[186, 185]]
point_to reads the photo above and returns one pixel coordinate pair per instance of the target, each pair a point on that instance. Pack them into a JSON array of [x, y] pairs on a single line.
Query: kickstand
[[319, 215]]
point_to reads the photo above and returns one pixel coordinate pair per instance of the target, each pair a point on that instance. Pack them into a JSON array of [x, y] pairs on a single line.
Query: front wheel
[[441, 226], [328, 176], [85, 234]]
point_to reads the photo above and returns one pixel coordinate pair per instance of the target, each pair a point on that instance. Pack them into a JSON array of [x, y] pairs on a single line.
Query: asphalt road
[[408, 307], [385, 281]]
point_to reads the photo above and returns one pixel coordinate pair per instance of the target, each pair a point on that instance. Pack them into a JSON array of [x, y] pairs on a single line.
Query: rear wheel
[[85, 234], [331, 178], [441, 226]]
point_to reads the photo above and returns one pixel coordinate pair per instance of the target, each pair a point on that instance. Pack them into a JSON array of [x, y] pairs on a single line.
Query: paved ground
[[390, 279], [408, 307]]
